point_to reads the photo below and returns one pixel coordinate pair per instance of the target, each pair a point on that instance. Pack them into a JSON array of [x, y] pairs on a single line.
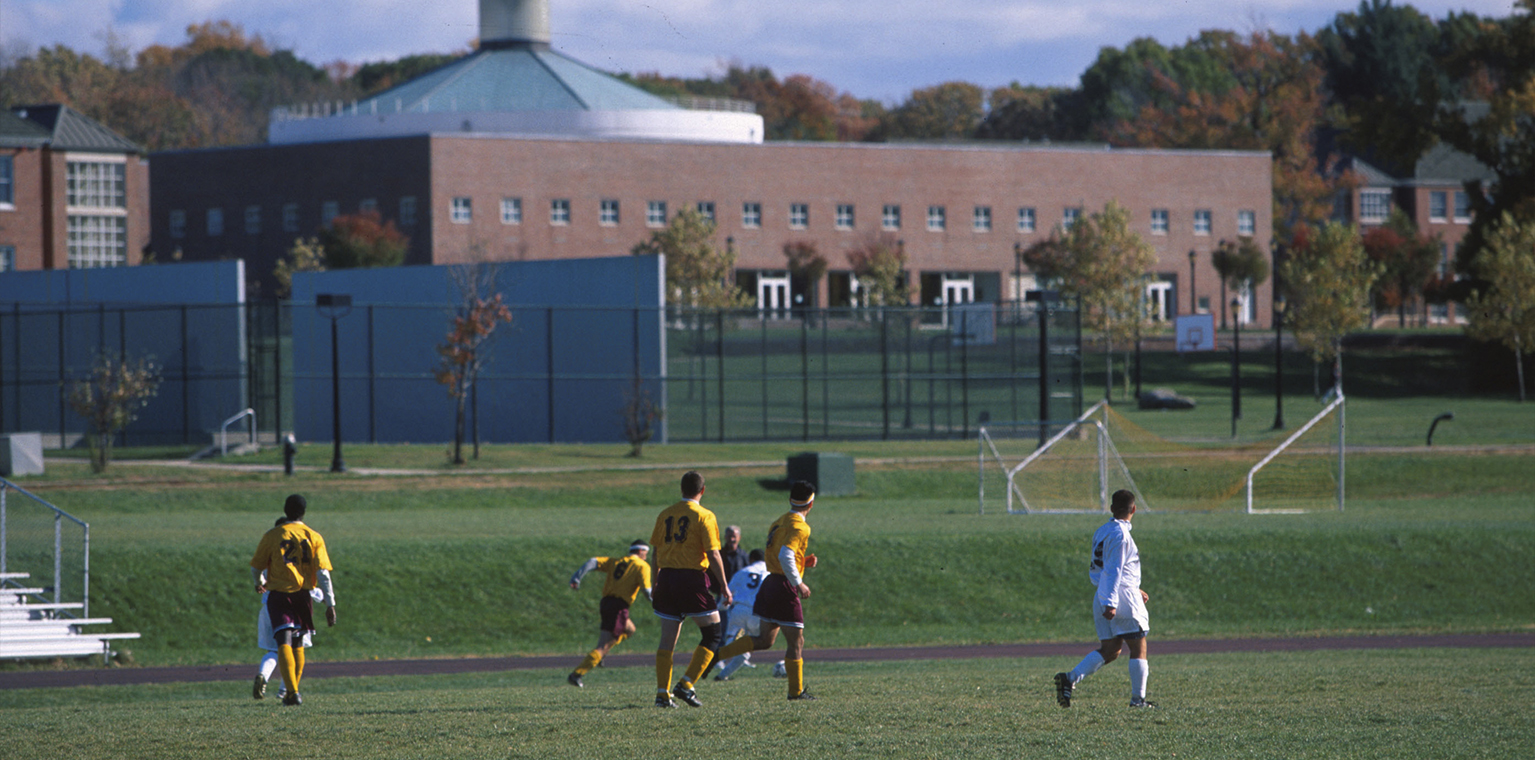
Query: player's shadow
[[773, 484]]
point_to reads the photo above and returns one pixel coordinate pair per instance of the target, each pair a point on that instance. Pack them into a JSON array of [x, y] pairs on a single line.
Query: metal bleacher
[[36, 622]]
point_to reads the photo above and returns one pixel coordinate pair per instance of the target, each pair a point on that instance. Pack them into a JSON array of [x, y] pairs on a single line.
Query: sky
[[880, 49]]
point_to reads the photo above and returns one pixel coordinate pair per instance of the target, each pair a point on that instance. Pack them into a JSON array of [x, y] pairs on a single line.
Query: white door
[[957, 289], [773, 295], [1159, 300]]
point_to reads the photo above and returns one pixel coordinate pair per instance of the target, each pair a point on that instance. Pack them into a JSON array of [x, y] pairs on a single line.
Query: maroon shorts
[[615, 615], [778, 602], [682, 594], [295, 610]]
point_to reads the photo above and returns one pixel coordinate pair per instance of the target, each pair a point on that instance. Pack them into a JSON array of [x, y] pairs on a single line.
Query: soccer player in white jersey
[[1119, 606], [743, 587]]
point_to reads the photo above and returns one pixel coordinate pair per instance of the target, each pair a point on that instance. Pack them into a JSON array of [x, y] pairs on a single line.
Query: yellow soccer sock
[[796, 670], [618, 640], [663, 670], [592, 658], [285, 666], [298, 666], [741, 645], [702, 656]]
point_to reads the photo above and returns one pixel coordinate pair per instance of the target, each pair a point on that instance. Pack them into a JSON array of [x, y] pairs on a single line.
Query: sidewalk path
[[35, 679]]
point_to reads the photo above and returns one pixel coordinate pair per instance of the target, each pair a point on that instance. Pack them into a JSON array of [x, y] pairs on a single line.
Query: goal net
[[1102, 451]]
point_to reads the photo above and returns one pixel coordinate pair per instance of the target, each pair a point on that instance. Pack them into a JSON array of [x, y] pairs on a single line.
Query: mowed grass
[[1338, 704]]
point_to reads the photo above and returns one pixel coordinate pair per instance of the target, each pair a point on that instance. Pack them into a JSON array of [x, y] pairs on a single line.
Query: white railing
[[59, 516], [224, 430]]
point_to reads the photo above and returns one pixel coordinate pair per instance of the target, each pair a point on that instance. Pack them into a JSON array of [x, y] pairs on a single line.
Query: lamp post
[[1279, 306], [1193, 299], [334, 306], [1236, 365]]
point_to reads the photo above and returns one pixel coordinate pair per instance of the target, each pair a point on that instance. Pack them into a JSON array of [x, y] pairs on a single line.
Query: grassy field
[[1397, 704]]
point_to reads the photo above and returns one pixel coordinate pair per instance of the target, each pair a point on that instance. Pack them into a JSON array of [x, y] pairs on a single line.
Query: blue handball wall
[[190, 319], [562, 371]]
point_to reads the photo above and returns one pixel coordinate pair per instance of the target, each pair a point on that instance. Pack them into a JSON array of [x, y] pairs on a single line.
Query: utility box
[[831, 473], [21, 454]]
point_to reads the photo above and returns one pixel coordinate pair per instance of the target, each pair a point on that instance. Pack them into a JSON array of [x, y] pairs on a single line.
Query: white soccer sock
[[268, 665], [1088, 666], [1139, 669]]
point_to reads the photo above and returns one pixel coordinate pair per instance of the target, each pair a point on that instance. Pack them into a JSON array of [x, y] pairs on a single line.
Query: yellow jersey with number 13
[[684, 535]]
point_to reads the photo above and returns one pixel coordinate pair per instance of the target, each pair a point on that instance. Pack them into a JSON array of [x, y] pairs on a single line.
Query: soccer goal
[[1073, 472], [1305, 472]]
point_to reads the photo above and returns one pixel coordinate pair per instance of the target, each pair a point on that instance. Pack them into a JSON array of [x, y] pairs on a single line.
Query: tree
[[698, 273], [306, 255], [1018, 112], [363, 241], [110, 400], [1241, 265], [1407, 261], [805, 264], [1327, 279], [879, 264], [1503, 309], [1105, 264], [640, 415], [464, 353], [946, 111]]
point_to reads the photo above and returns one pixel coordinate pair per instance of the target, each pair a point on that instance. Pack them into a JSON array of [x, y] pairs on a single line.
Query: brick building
[[525, 154], [73, 194]]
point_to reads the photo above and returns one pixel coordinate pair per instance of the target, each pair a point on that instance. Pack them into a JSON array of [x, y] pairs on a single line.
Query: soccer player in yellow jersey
[[626, 577], [294, 559], [687, 546], [778, 599]]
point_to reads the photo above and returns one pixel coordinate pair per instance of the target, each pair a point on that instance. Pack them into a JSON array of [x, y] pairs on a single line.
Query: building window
[[608, 213], [1247, 223], [980, 220], [844, 218], [215, 221], [102, 241], [252, 220], [1462, 207], [1374, 205], [559, 211], [1026, 219], [1069, 216], [461, 211], [751, 215], [706, 210], [407, 211], [890, 217], [95, 184], [936, 219], [511, 211], [1202, 221], [1438, 206], [290, 217], [329, 210], [799, 216], [655, 213], [1159, 225], [7, 258], [367, 204], [7, 182], [178, 223]]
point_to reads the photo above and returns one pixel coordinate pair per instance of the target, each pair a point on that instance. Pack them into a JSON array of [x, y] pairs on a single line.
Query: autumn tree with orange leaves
[[464, 352]]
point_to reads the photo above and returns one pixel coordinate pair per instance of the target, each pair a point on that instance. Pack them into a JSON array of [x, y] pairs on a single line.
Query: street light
[[1279, 307], [334, 306], [1236, 365], [1193, 299]]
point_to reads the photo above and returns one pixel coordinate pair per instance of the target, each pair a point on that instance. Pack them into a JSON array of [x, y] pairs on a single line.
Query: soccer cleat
[[687, 695], [722, 677], [574, 679], [664, 700], [1141, 702], [258, 689], [292, 699], [804, 694], [1063, 689]]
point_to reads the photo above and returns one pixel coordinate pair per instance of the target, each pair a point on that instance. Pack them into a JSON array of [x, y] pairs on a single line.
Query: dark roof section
[[16, 132], [1444, 163], [72, 130]]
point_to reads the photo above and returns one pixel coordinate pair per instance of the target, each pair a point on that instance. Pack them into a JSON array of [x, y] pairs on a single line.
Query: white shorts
[[1129, 618], [265, 639], [742, 621]]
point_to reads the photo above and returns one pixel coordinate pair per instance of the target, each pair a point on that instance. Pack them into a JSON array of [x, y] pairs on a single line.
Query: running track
[[33, 679]]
